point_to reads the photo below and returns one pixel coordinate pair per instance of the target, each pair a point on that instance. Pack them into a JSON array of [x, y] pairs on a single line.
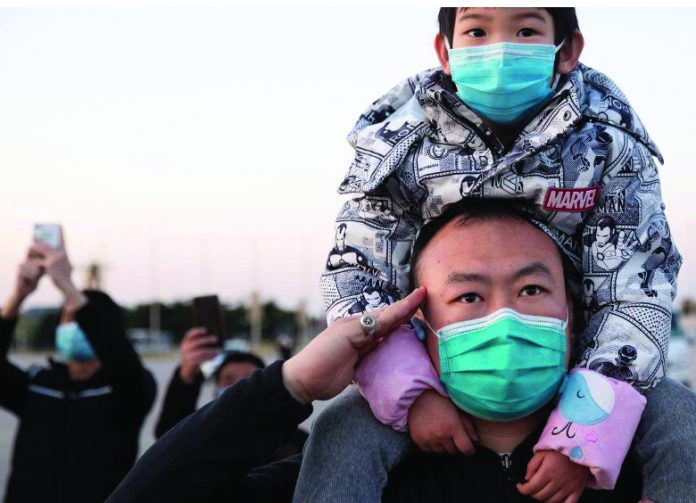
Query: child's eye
[[526, 32], [532, 291], [476, 33], [470, 298]]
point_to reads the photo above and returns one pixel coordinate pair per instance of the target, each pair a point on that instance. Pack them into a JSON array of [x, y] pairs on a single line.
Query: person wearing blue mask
[[491, 284], [511, 114], [79, 417]]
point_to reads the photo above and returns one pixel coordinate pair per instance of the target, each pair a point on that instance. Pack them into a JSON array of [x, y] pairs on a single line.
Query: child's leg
[[348, 454], [665, 444]]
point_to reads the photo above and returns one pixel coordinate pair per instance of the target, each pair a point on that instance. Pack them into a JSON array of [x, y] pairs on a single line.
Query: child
[[511, 114]]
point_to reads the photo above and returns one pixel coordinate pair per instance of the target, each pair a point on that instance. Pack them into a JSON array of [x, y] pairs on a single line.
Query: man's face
[[233, 372], [373, 299], [475, 26], [472, 270], [603, 235]]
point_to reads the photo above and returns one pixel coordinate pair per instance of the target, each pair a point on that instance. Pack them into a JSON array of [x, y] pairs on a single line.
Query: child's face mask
[[503, 82], [503, 366]]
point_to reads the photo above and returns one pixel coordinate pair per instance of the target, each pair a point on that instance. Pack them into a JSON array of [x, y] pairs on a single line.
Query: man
[[79, 418], [211, 455]]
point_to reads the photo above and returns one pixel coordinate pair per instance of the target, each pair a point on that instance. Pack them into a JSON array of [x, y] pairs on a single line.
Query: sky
[[197, 151]]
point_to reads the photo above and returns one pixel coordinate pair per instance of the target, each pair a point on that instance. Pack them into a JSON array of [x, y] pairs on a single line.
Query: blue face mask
[[72, 343], [503, 82], [503, 366]]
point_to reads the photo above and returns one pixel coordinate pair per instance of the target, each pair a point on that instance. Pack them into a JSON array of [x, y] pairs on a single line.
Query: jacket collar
[[585, 94]]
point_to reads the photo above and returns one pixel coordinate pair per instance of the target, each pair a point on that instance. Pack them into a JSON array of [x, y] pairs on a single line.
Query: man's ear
[[442, 55], [569, 54]]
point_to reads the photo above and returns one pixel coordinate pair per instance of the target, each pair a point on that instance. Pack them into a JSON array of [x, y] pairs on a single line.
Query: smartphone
[[207, 313], [48, 234]]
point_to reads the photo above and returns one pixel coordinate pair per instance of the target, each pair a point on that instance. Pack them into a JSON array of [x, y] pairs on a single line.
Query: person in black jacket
[[213, 454], [186, 381], [80, 418]]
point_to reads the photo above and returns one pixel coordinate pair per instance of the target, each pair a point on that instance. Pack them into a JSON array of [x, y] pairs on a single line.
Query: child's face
[[476, 26]]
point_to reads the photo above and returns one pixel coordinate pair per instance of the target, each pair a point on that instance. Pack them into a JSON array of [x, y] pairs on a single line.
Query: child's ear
[[569, 54], [442, 55]]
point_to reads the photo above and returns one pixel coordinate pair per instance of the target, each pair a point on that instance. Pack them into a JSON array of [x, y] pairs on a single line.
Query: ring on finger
[[369, 324]]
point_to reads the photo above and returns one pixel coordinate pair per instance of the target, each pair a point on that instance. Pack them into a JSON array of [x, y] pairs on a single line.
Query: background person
[[79, 417], [185, 385]]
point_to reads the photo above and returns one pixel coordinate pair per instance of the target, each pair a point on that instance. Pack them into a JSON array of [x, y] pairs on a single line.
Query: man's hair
[[342, 227], [565, 22], [470, 209], [238, 357]]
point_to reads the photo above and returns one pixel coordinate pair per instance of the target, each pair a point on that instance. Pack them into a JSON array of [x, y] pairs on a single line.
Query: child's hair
[[565, 22]]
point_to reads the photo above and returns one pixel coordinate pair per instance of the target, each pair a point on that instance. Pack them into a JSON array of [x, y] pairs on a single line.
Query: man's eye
[[470, 298], [531, 291], [526, 32], [476, 33]]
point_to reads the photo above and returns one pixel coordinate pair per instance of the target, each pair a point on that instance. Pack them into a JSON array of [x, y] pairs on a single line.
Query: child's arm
[[394, 375], [630, 275], [553, 477]]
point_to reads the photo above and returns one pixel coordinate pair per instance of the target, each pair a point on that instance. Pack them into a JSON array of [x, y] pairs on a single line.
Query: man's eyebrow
[[527, 15], [534, 268], [466, 277]]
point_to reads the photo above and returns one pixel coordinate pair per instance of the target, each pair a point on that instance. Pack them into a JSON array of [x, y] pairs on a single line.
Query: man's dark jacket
[[211, 456]]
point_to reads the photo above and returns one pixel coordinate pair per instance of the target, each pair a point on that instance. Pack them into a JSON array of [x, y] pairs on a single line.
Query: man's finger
[[202, 341], [40, 248], [193, 333], [392, 317], [463, 443], [203, 355]]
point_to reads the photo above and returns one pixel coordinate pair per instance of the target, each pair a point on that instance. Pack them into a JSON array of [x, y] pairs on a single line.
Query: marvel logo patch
[[571, 199]]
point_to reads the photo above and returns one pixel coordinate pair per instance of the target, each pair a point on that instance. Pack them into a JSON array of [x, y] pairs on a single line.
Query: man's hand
[[194, 350], [553, 478], [437, 425], [327, 364], [56, 264], [28, 278]]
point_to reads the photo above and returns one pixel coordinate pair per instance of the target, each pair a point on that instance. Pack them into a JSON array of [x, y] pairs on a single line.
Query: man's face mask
[[504, 82], [72, 343], [504, 366]]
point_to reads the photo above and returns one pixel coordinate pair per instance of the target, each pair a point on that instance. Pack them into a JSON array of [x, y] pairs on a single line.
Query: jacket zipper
[[506, 462]]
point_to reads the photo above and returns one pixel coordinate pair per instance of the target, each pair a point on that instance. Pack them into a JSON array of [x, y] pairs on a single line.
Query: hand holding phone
[[49, 234], [208, 314]]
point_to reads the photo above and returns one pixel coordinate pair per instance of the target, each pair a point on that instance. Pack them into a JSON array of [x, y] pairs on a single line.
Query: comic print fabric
[[584, 163]]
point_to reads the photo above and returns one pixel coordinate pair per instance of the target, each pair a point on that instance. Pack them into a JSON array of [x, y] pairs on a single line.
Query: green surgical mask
[[504, 366]]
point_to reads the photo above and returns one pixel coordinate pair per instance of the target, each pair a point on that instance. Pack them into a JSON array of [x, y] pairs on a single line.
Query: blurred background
[[193, 151]]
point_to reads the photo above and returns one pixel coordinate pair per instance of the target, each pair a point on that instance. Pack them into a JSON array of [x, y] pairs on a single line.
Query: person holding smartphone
[[79, 416], [184, 388]]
